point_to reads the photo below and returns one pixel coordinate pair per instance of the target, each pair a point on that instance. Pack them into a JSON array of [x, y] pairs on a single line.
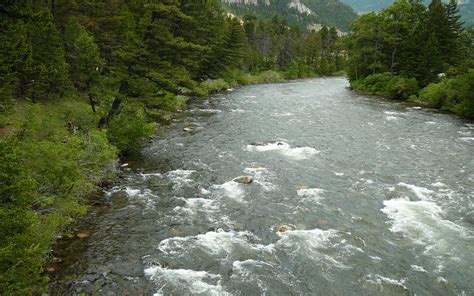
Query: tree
[[83, 58], [47, 78]]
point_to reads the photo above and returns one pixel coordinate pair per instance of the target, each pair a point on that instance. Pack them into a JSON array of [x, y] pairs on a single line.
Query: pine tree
[[48, 75], [15, 55], [83, 57]]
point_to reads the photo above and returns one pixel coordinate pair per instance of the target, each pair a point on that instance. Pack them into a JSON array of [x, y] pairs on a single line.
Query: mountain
[[362, 6], [303, 13], [466, 7]]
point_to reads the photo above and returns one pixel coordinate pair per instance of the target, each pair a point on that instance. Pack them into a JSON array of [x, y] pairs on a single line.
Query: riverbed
[[376, 198]]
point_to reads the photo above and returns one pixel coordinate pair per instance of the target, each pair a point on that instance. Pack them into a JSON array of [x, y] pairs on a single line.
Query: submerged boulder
[[244, 180], [282, 228]]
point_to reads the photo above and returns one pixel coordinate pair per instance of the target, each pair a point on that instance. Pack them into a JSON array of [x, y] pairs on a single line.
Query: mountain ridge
[[305, 14]]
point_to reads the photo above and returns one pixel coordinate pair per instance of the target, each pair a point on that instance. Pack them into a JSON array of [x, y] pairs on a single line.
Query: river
[[377, 197]]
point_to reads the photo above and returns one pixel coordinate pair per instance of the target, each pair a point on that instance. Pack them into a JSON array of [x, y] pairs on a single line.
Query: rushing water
[[378, 196]]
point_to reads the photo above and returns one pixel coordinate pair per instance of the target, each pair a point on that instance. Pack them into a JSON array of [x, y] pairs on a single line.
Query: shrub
[[268, 77], [243, 78], [401, 88], [127, 129], [434, 94], [171, 102], [45, 172], [214, 86], [466, 95], [298, 70], [385, 84]]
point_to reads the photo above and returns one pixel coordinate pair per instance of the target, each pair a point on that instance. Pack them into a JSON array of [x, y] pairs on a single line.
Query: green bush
[[268, 77], [171, 102], [298, 70], [375, 84], [385, 84], [434, 94], [401, 88], [454, 94], [128, 128], [464, 87], [244, 78], [46, 171], [214, 86]]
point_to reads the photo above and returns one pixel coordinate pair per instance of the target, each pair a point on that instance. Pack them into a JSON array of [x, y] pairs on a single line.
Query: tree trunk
[[392, 66], [92, 102], [104, 121]]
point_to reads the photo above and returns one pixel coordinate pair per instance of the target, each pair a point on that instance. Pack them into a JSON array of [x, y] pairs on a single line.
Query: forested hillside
[[82, 82], [302, 13], [410, 51]]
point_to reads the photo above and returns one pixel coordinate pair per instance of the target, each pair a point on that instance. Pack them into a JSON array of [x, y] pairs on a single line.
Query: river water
[[377, 195]]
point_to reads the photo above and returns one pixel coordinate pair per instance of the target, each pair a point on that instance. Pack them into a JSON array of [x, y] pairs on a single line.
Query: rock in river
[[282, 228], [244, 180]]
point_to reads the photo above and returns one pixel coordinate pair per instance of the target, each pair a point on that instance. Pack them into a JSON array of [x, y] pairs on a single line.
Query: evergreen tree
[[15, 54], [48, 76], [84, 60]]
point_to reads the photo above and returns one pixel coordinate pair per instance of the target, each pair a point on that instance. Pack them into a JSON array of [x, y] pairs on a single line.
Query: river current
[[377, 197]]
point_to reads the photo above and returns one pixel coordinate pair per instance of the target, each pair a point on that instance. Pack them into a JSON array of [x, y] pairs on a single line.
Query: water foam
[[231, 189], [311, 244], [201, 204], [151, 175], [422, 222], [420, 192], [380, 280], [144, 195], [132, 192], [392, 113], [196, 282], [438, 184], [180, 177], [418, 268], [242, 266], [285, 114], [206, 110], [285, 149], [214, 243], [313, 193]]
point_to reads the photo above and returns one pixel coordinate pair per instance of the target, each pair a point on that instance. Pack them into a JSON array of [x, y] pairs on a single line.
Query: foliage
[[213, 86], [299, 70], [45, 172], [407, 39], [388, 85], [127, 129], [268, 77], [408, 45], [453, 94], [402, 88]]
